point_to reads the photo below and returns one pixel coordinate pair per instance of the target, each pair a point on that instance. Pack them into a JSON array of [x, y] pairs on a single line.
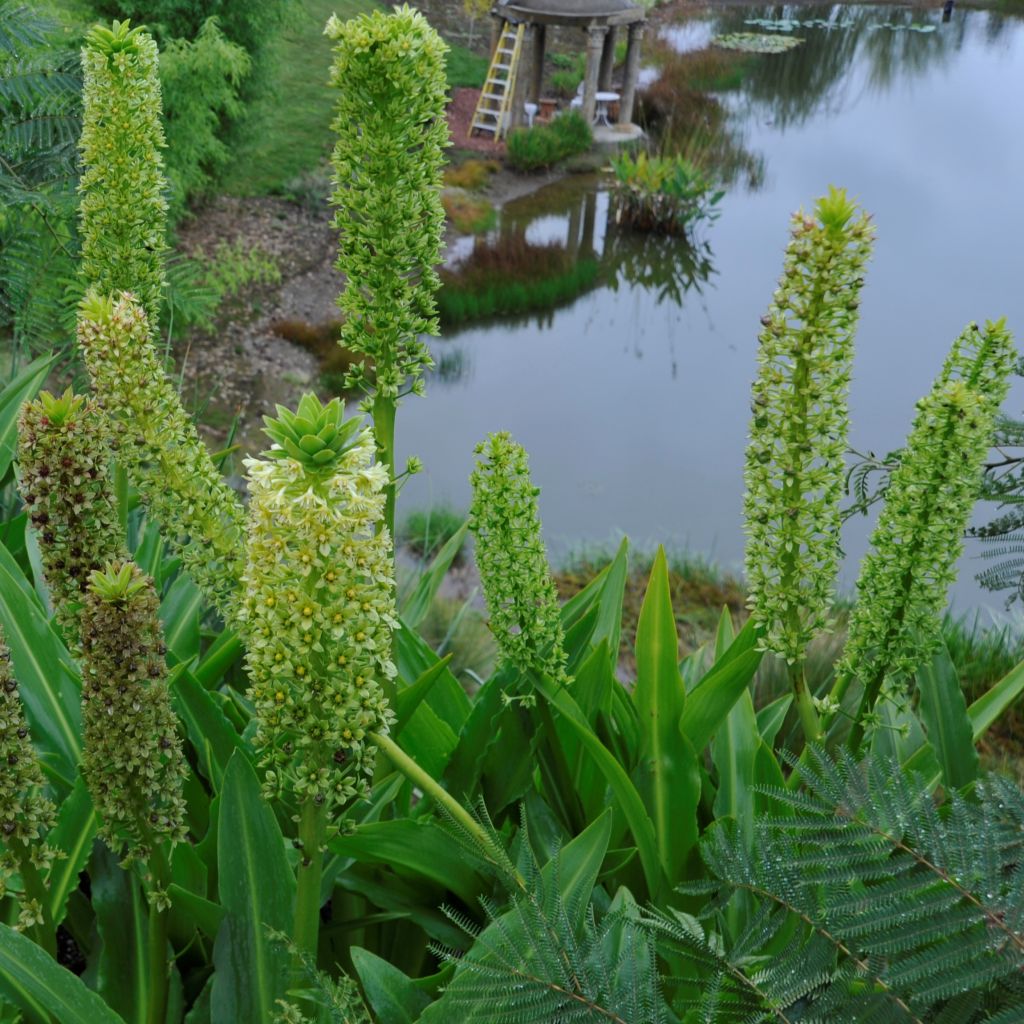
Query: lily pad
[[756, 42]]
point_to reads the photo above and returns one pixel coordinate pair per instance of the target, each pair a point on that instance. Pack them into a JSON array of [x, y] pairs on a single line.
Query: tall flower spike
[[158, 445], [319, 605], [904, 579], [26, 814], [510, 555], [132, 760], [123, 209], [389, 70], [794, 466], [64, 455]]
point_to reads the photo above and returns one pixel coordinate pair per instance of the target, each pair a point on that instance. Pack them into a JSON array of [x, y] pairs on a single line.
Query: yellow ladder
[[492, 109]]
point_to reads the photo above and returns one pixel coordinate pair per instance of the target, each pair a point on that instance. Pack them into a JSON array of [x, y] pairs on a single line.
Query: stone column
[[632, 72], [595, 47], [540, 33], [604, 78]]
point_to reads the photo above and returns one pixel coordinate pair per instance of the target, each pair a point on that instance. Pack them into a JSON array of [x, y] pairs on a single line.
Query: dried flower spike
[[158, 445], [64, 455], [521, 595], [319, 606], [123, 210], [794, 467], [132, 760]]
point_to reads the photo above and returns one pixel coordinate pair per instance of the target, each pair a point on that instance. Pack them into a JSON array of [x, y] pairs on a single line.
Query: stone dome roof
[[573, 12]]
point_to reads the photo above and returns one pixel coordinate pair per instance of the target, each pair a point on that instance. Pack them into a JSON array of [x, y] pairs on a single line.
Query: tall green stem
[[156, 1010], [312, 825]]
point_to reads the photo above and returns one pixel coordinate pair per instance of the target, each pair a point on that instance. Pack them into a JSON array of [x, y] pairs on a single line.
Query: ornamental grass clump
[[157, 443], [26, 814], [521, 595], [64, 457], [123, 207], [132, 759], [389, 70], [317, 620], [794, 465], [904, 579]]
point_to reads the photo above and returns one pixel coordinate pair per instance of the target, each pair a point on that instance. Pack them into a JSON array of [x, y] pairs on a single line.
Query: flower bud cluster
[[794, 465], [157, 443], [510, 555], [123, 210], [26, 814], [904, 579], [63, 456], [389, 70], [319, 606], [132, 759]]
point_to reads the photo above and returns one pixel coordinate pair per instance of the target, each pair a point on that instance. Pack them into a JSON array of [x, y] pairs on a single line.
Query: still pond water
[[633, 400]]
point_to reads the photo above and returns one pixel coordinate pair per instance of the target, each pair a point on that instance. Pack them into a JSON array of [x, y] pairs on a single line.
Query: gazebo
[[600, 21]]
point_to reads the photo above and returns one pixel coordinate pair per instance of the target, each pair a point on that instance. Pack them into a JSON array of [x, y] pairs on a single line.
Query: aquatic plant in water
[[794, 465], [756, 42]]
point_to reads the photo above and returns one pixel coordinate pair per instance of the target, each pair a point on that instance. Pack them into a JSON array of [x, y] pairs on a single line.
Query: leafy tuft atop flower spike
[[521, 595], [315, 435], [319, 605], [119, 38]]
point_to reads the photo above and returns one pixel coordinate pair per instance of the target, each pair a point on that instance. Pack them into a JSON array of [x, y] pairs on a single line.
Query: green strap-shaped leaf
[[34, 982], [392, 995], [45, 671], [944, 713], [415, 607], [668, 776], [19, 389], [73, 834], [257, 890]]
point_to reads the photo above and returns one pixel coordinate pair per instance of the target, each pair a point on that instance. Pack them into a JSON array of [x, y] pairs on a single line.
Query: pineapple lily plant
[[239, 786]]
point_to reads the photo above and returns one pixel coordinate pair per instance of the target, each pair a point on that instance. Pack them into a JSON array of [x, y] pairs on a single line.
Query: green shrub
[[532, 149], [464, 68]]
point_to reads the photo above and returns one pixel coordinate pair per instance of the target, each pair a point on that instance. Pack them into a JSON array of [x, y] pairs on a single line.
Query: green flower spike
[[794, 466], [158, 445], [510, 555], [389, 70], [123, 210], [64, 455], [132, 760], [319, 605], [905, 577], [26, 814]]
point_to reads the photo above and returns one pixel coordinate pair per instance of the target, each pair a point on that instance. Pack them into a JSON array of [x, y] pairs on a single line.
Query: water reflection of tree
[[815, 76]]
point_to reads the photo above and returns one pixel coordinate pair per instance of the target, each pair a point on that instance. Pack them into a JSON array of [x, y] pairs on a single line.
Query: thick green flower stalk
[[123, 209], [26, 814], [389, 70], [905, 577], [317, 620], [510, 554], [64, 456], [132, 759], [158, 445], [794, 467]]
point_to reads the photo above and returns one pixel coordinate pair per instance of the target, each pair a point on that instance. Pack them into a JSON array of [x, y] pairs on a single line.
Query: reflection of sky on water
[[635, 413]]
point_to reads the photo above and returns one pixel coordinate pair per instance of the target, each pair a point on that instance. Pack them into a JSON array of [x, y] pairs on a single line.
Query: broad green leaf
[[943, 711], [771, 717], [391, 994], [417, 849], [203, 913], [668, 775], [628, 799], [989, 706], [724, 635], [414, 657], [415, 607], [713, 697], [44, 669], [409, 699], [223, 653], [21, 388], [213, 736], [257, 890], [73, 835], [179, 613], [121, 920], [31, 980], [612, 577], [733, 751]]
